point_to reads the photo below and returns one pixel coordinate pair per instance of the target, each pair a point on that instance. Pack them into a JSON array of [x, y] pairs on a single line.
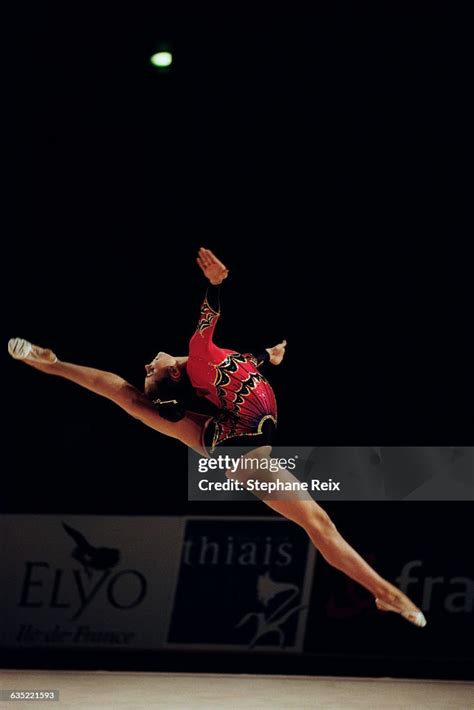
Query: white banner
[[78, 581]]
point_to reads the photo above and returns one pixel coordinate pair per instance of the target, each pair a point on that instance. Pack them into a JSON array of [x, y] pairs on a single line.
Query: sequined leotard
[[230, 380]]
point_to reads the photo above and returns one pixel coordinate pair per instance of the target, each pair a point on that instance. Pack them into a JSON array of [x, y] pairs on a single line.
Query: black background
[[321, 152]]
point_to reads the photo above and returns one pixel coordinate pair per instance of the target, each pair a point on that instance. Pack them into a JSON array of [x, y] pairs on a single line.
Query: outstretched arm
[[277, 353], [272, 355], [215, 271], [113, 387]]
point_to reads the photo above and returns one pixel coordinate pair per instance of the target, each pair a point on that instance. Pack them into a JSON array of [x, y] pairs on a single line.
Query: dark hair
[[164, 396]]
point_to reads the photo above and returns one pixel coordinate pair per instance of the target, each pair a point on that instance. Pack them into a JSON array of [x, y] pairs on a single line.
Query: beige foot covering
[[415, 617], [21, 349]]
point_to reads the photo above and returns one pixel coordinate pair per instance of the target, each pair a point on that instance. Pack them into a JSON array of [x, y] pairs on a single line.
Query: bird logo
[[271, 622], [90, 557]]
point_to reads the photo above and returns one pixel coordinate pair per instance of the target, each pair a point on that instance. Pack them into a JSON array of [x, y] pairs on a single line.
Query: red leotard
[[231, 381]]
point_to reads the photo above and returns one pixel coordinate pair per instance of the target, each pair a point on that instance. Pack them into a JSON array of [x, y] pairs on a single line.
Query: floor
[[107, 690]]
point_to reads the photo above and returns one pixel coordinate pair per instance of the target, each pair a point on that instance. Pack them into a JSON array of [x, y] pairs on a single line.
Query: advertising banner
[[77, 581], [87, 581], [244, 584]]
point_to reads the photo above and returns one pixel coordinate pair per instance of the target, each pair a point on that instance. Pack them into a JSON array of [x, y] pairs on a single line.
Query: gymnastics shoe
[[21, 349], [415, 617]]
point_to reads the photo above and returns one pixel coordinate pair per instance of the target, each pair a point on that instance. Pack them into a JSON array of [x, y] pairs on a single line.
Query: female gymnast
[[245, 416]]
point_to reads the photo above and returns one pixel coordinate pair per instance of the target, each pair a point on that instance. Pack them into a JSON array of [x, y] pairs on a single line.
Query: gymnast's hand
[[212, 268], [277, 353]]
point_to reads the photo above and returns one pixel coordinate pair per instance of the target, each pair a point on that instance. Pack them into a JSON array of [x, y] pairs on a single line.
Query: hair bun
[[170, 409]]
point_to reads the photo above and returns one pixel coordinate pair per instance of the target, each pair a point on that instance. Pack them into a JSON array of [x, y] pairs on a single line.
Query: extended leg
[[122, 393], [303, 510]]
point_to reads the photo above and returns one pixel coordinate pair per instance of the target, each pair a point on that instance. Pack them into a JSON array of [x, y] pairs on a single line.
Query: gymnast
[[244, 416]]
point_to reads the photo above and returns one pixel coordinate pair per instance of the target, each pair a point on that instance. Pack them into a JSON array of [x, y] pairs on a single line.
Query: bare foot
[[21, 349], [398, 602]]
